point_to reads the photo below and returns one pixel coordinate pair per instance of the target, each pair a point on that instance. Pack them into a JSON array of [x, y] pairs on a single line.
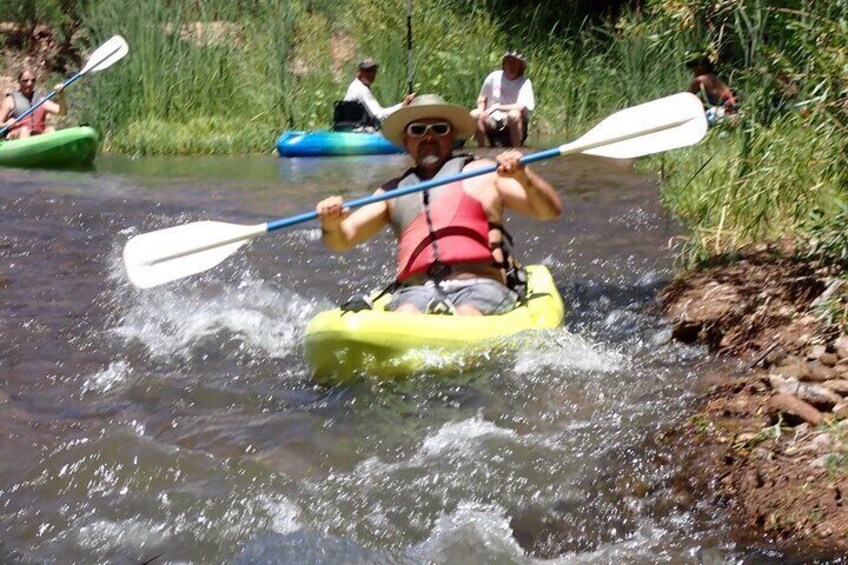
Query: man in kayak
[[16, 103], [453, 252], [505, 102], [360, 91], [714, 92]]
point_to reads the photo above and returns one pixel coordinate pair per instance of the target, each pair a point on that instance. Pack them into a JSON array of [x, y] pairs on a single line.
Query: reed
[[192, 67], [267, 66]]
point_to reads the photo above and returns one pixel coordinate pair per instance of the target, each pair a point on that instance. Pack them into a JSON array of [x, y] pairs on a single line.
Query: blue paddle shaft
[[307, 216]]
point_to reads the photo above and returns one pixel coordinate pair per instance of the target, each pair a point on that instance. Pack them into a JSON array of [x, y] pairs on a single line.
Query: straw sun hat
[[424, 107]]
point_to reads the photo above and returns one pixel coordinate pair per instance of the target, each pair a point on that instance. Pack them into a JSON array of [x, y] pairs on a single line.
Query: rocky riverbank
[[770, 440]]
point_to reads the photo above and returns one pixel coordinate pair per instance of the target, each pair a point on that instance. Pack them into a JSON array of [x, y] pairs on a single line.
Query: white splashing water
[[460, 437], [464, 437], [569, 351], [472, 533], [282, 513], [170, 320], [110, 535]]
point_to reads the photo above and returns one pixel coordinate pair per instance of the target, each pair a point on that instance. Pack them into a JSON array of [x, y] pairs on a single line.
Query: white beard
[[429, 160]]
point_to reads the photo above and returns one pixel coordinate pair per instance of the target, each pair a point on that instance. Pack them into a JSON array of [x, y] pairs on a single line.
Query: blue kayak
[[328, 143]]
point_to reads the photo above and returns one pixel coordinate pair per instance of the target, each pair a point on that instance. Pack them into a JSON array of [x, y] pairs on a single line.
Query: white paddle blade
[[166, 255], [668, 123], [106, 55]]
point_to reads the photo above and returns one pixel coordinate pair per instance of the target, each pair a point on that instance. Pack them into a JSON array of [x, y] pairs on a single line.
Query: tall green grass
[[210, 79], [286, 63], [778, 174]]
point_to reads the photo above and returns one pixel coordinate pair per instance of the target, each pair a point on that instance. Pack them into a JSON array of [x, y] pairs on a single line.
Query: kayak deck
[[341, 346], [70, 147]]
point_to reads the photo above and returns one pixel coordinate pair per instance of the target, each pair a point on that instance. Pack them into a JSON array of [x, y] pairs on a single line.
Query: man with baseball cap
[[505, 102], [360, 91], [453, 253]]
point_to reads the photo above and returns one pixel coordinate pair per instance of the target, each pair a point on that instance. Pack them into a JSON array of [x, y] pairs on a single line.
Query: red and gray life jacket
[[35, 121], [440, 227]]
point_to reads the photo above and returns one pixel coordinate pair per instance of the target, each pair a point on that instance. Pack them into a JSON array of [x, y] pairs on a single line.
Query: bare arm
[[6, 108], [523, 190], [341, 230], [519, 188], [695, 86], [57, 104]]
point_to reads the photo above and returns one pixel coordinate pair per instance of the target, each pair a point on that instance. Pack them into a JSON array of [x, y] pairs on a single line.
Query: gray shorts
[[488, 296], [497, 121]]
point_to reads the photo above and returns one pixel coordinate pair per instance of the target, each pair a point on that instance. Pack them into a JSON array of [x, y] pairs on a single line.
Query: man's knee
[[476, 113], [515, 117]]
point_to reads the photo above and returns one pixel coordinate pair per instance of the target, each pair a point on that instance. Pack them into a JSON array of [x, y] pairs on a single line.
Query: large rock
[[793, 409], [839, 386], [841, 347], [814, 394], [840, 411]]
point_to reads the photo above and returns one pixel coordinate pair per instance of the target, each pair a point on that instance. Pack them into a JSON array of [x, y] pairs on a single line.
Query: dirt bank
[[770, 440]]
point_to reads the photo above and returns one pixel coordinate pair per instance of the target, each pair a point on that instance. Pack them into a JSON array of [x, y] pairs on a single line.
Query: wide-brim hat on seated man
[[516, 55], [428, 106], [367, 64]]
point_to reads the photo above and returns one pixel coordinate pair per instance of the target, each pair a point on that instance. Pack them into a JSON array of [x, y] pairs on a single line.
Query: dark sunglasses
[[439, 129]]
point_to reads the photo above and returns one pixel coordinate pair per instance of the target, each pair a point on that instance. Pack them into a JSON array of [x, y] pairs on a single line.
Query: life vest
[[461, 231], [36, 122], [440, 227]]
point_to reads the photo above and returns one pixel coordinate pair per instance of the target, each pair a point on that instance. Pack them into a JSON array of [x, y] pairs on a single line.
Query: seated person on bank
[[452, 249], [505, 102], [18, 102], [714, 92], [360, 91]]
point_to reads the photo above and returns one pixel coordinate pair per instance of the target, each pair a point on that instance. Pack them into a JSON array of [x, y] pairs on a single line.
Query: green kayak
[[70, 147]]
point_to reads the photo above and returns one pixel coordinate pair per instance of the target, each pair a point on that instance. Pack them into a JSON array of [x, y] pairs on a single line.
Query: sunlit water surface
[[182, 422]]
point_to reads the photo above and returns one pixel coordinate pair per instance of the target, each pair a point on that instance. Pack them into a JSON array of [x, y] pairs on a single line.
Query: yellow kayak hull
[[343, 346]]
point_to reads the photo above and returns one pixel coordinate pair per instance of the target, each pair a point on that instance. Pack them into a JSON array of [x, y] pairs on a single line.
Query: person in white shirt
[[506, 101], [360, 91]]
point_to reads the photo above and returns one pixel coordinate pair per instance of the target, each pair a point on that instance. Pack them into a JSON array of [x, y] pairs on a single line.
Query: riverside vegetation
[[764, 197], [226, 77]]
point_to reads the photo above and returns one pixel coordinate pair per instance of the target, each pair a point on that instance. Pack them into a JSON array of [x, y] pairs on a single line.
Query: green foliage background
[[226, 76]]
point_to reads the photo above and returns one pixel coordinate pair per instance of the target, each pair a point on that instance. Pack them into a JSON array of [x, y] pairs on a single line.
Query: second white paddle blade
[[169, 254]]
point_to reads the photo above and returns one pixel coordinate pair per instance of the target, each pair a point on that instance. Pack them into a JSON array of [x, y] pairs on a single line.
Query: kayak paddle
[[172, 253], [103, 57]]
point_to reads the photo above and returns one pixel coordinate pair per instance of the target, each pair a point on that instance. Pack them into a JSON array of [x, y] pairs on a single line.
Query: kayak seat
[[353, 116]]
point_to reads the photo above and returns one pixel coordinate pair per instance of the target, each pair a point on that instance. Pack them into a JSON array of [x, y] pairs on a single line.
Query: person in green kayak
[[16, 103], [453, 251]]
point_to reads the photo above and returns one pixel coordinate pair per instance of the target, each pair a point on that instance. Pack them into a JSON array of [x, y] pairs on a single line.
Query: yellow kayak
[[342, 346]]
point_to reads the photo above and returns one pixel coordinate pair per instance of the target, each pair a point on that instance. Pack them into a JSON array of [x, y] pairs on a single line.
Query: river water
[[180, 423]]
